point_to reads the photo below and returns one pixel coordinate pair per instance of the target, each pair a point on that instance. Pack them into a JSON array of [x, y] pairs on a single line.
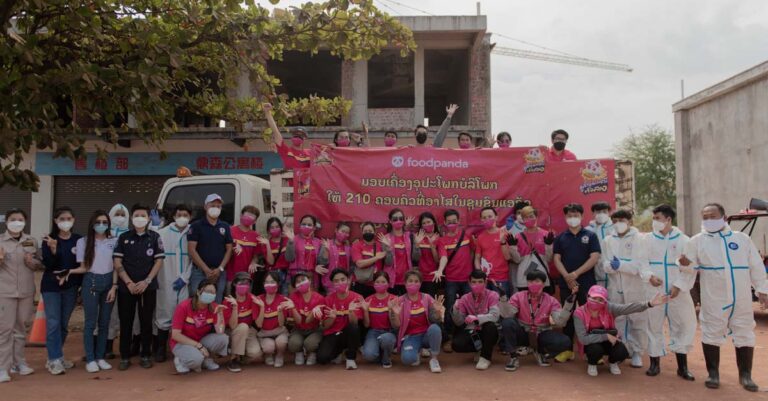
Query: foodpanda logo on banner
[[399, 161]]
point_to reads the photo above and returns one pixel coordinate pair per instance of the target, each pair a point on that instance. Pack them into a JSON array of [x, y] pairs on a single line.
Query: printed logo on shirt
[[74, 250], [585, 239], [150, 252], [222, 230], [734, 246]]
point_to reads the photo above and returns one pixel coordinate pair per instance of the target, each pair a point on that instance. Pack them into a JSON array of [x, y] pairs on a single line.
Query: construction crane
[[559, 58]]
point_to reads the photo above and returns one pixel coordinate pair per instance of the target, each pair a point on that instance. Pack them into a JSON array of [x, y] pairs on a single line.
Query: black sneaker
[[146, 362], [124, 364], [234, 366], [512, 364]]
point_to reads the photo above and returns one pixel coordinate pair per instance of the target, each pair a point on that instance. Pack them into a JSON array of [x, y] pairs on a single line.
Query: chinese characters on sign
[[204, 163]]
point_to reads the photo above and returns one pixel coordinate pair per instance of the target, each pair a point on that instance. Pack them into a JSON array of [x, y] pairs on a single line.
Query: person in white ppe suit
[[118, 217], [664, 247], [623, 261], [728, 265], [603, 227], [173, 277]]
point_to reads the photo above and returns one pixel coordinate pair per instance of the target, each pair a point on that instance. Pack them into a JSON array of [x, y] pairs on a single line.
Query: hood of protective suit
[[114, 210]]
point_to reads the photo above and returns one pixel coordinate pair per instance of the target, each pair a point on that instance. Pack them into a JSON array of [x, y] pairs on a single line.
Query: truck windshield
[[193, 195]]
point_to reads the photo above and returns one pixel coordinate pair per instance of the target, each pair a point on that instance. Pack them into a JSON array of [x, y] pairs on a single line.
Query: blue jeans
[[412, 345], [453, 291], [97, 314], [501, 287], [58, 310], [285, 282], [197, 276], [379, 345]]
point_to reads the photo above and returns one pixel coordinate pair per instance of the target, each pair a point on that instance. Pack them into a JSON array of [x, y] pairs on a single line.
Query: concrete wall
[[722, 149]]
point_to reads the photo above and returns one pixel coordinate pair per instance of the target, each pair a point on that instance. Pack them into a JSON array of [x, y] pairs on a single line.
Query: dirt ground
[[459, 380]]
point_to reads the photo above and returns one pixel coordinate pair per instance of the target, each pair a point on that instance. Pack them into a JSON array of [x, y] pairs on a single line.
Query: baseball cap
[[212, 197]]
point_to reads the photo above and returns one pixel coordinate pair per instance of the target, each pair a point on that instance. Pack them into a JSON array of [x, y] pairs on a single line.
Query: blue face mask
[[100, 228], [207, 298]]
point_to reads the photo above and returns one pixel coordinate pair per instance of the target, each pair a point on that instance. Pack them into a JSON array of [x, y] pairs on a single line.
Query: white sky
[[700, 41]]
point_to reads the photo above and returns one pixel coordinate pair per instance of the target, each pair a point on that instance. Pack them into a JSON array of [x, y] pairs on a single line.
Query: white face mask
[[658, 226], [182, 222], [65, 225], [713, 226], [120, 221], [214, 212], [621, 227], [140, 222], [573, 222], [602, 218], [16, 226]]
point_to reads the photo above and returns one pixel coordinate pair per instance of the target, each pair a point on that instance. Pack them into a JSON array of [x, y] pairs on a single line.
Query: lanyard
[[533, 312]]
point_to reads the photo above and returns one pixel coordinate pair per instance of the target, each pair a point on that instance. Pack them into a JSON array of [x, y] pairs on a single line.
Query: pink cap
[[598, 292]]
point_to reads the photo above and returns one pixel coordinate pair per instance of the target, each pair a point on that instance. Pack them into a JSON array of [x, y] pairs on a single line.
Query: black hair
[[16, 211], [368, 223], [274, 275], [297, 275], [597, 206], [464, 134], [343, 224], [138, 207], [535, 274], [274, 219], [196, 295], [489, 208], [503, 134], [412, 273], [420, 126], [336, 135], [390, 132], [717, 205], [573, 207], [521, 204], [339, 271], [622, 214], [380, 273], [450, 212], [56, 213], [314, 219], [233, 286], [427, 215], [559, 132], [183, 208], [251, 209], [478, 274], [389, 218], [666, 210]]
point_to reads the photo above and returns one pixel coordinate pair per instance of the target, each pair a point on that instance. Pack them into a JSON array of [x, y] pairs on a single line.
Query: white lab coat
[[728, 265], [177, 264], [663, 255], [602, 231], [626, 285]]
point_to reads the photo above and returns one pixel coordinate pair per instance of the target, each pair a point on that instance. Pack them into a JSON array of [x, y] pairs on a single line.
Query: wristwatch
[[221, 268], [148, 281]]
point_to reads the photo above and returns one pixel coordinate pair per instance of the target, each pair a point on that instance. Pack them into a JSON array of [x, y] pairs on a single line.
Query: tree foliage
[[652, 152], [73, 69]]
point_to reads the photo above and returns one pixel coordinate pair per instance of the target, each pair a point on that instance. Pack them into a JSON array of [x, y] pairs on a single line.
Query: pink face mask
[[477, 288], [595, 306], [242, 289], [303, 287], [380, 287], [465, 145], [247, 220], [535, 288], [530, 223], [341, 287], [341, 236], [412, 288], [397, 225], [451, 227], [297, 141], [342, 142], [503, 144], [275, 232], [429, 229], [306, 230], [270, 288], [489, 223], [389, 142]]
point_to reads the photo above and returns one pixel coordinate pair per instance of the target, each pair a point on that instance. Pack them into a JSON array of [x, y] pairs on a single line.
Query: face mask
[[100, 228], [275, 232], [140, 222], [380, 287], [713, 226], [465, 145], [206, 298], [421, 138], [477, 288], [397, 225], [65, 225], [119, 221], [341, 236], [342, 142], [595, 306], [573, 222], [182, 222], [16, 226], [530, 223], [452, 227], [270, 288], [490, 223], [535, 288], [621, 227], [214, 212], [306, 230], [602, 218], [559, 146], [503, 144], [297, 141], [242, 289], [658, 226], [303, 287], [368, 237], [389, 142], [429, 229], [341, 287], [247, 220], [412, 288]]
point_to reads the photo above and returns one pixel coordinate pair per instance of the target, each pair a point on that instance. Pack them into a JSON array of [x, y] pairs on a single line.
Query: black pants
[[332, 345], [616, 352], [489, 336], [430, 288], [549, 342], [127, 304], [581, 299], [363, 289]]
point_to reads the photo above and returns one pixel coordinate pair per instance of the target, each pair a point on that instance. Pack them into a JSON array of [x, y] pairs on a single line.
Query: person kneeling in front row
[[476, 315]]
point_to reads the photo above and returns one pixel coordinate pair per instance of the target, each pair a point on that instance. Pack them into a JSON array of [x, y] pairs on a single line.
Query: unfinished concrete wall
[[480, 84]]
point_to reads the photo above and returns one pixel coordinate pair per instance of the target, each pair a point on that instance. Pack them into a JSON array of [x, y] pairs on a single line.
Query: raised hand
[[253, 267], [321, 270], [419, 237], [220, 308], [451, 109], [438, 276], [267, 107], [326, 243], [263, 241], [395, 305], [231, 300], [317, 311], [258, 301], [288, 233], [659, 299], [550, 238], [385, 240], [511, 239], [238, 249], [503, 234], [408, 221], [52, 243]]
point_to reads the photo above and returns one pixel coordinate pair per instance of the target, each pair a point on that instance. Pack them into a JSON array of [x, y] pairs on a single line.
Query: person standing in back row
[[558, 153], [210, 247]]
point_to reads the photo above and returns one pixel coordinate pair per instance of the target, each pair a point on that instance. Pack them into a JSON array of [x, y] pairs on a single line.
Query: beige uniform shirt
[[16, 279]]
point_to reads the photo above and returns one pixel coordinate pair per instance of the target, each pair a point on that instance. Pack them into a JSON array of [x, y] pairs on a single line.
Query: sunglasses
[[398, 218]]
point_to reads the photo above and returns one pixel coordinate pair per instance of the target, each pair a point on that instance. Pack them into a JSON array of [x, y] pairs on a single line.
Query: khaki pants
[[307, 340], [16, 315], [244, 342]]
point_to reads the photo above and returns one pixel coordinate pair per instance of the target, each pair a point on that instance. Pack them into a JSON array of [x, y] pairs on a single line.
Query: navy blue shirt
[[574, 251], [63, 259], [211, 241], [138, 253]]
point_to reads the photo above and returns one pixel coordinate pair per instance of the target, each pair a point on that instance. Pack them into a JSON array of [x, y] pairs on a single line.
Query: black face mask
[[368, 237], [421, 138], [559, 146]]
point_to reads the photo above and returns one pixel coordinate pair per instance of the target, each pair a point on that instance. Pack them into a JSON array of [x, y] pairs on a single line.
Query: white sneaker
[[92, 367], [179, 367], [417, 363], [351, 364], [4, 377], [312, 359], [22, 369], [434, 366], [103, 365], [592, 370], [425, 353], [210, 364], [299, 358], [269, 360], [637, 360], [67, 363], [338, 359], [483, 364], [523, 351], [56, 367], [615, 370], [279, 361]]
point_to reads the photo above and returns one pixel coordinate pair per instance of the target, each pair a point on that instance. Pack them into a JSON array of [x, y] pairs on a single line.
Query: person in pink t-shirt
[[307, 309], [342, 312], [400, 244], [248, 246], [426, 255], [273, 335], [380, 339], [492, 253], [532, 248], [558, 153]]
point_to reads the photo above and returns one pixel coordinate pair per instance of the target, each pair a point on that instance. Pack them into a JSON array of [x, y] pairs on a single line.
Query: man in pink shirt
[[557, 152]]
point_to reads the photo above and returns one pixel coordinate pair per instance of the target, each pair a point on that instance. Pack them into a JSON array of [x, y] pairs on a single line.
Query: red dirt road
[[459, 381]]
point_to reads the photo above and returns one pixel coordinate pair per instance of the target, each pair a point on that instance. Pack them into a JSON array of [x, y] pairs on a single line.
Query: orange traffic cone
[[36, 336]]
